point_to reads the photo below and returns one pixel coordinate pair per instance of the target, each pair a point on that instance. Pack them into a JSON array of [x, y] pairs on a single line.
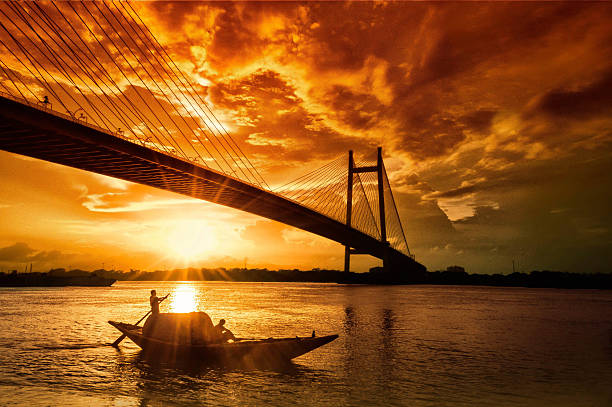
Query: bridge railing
[[44, 108]]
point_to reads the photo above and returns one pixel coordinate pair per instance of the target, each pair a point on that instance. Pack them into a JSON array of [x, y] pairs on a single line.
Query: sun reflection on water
[[184, 299]]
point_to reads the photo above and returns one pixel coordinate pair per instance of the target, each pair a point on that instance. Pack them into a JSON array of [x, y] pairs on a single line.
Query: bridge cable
[[371, 189], [403, 236], [313, 188], [311, 181], [28, 55], [168, 141], [125, 119], [369, 207], [198, 125], [178, 147], [71, 72], [336, 181], [140, 78], [333, 197], [199, 96], [13, 82], [150, 51], [173, 93], [59, 65], [313, 185], [191, 86], [142, 65], [307, 174], [120, 97]]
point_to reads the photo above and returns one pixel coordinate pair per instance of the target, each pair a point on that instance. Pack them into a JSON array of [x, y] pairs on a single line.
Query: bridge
[[88, 85]]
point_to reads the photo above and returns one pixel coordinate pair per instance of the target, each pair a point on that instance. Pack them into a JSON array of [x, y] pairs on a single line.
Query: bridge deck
[[43, 134]]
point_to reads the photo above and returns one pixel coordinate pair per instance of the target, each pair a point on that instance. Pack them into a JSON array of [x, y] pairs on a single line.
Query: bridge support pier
[[381, 205], [349, 210]]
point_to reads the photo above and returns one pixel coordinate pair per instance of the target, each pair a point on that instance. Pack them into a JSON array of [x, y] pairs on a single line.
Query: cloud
[[277, 115], [265, 231], [113, 183], [591, 100], [492, 115], [358, 110], [482, 215], [19, 252], [22, 253], [113, 202], [479, 120]]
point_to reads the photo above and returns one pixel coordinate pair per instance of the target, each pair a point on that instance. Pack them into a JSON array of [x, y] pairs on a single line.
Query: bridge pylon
[[352, 169]]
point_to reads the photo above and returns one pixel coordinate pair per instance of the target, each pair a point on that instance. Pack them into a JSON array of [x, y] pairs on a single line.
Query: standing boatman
[[154, 300]]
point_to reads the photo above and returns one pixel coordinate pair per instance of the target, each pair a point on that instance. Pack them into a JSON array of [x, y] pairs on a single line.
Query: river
[[398, 346]]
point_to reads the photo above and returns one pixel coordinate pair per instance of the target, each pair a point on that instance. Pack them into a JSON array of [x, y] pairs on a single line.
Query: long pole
[[122, 337]]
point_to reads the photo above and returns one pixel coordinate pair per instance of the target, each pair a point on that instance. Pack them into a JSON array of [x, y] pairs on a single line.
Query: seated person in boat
[[154, 300], [223, 332]]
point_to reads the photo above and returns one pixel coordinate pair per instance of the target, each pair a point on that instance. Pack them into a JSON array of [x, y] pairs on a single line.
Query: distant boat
[[192, 336]]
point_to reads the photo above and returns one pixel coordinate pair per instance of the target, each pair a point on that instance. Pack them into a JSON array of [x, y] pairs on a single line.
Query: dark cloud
[[483, 33], [359, 110], [49, 256], [479, 120], [590, 171], [434, 137], [18, 252], [22, 253], [278, 124], [234, 39], [482, 215], [592, 100], [528, 229], [347, 35]]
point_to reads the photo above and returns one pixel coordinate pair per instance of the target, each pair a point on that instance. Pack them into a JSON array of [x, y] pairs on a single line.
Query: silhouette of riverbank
[[454, 275], [55, 278]]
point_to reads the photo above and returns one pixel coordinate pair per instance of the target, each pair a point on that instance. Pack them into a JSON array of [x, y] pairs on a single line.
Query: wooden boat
[[251, 351]]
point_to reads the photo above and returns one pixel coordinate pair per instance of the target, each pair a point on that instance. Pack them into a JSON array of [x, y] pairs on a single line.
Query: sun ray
[[184, 299]]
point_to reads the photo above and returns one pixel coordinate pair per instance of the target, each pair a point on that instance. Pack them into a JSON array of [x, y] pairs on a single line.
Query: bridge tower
[[352, 169]]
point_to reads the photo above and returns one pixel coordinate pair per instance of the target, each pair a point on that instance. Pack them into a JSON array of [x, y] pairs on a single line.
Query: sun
[[184, 299], [189, 241]]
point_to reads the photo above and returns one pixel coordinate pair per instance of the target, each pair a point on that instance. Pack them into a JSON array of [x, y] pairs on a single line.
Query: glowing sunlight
[[188, 241], [184, 299]]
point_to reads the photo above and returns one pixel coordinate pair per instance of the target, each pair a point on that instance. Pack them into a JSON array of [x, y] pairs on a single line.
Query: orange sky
[[494, 120]]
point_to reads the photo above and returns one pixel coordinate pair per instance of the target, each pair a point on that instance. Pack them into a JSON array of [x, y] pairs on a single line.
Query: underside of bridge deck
[[35, 132]]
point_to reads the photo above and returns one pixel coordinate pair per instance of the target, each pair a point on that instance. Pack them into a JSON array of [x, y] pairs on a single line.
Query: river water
[[398, 346]]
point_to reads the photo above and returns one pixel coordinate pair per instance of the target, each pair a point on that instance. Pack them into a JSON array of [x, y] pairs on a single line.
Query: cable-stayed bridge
[[89, 86]]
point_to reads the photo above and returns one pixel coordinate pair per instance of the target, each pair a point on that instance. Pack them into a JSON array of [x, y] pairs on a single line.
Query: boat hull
[[242, 351]]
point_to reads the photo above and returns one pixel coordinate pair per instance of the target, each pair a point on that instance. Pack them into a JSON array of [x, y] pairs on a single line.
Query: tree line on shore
[[454, 275]]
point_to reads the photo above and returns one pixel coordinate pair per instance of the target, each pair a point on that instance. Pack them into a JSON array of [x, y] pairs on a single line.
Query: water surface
[[404, 346]]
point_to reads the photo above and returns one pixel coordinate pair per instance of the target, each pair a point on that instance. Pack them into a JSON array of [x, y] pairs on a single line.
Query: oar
[[122, 337]]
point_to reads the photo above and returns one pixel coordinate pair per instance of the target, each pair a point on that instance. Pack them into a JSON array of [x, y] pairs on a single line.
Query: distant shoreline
[[83, 279], [452, 276]]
